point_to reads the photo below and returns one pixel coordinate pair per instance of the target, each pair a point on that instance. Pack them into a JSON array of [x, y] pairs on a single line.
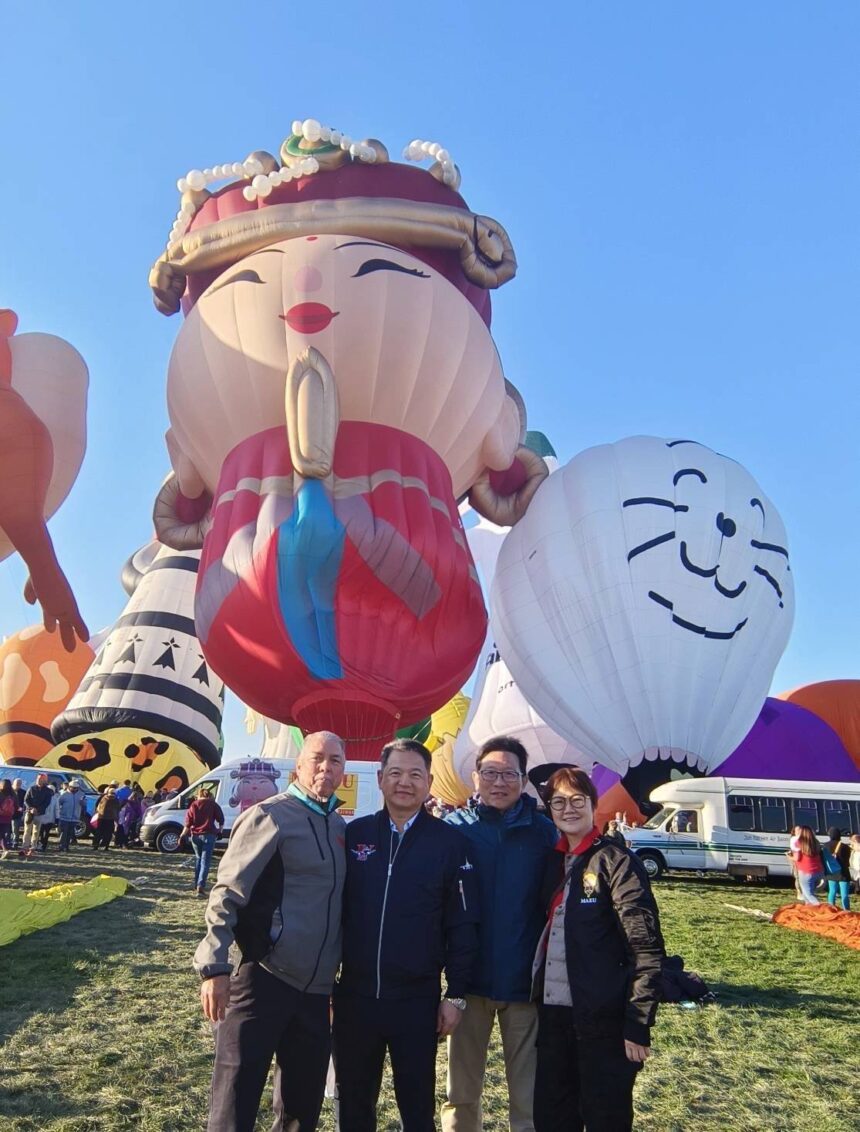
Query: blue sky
[[680, 180]]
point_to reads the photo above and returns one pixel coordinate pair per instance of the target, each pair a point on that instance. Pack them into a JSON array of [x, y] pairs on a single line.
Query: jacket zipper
[[330, 895], [462, 894], [392, 857]]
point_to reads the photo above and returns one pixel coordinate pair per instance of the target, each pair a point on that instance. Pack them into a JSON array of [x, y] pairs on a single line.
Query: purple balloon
[[603, 779], [789, 742]]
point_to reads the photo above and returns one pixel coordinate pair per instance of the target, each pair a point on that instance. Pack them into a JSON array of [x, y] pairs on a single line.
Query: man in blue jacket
[[410, 911], [512, 846]]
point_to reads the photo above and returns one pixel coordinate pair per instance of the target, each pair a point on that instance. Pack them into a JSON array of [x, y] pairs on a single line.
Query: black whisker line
[[650, 544], [769, 578], [689, 472], [656, 502], [768, 546]]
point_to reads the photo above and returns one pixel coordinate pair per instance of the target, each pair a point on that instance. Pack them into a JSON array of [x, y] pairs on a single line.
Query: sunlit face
[[405, 346], [498, 780], [320, 766], [405, 782], [572, 812]]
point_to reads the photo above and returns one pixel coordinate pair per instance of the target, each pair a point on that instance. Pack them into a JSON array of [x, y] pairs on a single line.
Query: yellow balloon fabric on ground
[[25, 912]]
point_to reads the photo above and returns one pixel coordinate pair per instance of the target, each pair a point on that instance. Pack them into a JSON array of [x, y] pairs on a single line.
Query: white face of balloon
[[644, 600], [406, 349]]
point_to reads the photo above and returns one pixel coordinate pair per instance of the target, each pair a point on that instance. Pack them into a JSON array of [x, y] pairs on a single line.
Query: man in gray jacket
[[278, 897]]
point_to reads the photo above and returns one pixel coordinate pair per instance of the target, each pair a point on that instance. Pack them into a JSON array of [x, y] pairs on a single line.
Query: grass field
[[101, 1029]]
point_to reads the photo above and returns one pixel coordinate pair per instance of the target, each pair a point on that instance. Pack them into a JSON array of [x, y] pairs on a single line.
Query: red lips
[[308, 318]]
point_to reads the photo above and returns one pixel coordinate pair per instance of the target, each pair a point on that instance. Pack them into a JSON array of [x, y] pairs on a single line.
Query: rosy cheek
[[307, 280]]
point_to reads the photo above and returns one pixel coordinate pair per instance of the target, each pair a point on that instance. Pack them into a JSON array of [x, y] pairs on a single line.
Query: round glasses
[[508, 777], [561, 802]]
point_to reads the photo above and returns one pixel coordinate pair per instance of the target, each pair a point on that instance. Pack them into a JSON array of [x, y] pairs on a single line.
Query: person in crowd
[[203, 824], [854, 860], [20, 810], [123, 793], [808, 862], [107, 812], [793, 847], [597, 971], [70, 806], [614, 832], [410, 911], [36, 801], [511, 845], [839, 882], [130, 815], [8, 806], [278, 896], [48, 820]]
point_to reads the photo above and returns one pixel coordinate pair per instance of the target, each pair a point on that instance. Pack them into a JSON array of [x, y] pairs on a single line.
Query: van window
[[659, 818], [839, 814], [741, 814], [806, 813], [189, 795], [685, 821], [773, 815]]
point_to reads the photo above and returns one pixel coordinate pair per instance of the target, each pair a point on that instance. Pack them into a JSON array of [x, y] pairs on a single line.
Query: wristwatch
[[460, 1003]]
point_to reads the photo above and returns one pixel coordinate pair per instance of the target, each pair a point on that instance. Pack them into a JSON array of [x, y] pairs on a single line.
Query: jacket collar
[[317, 807], [564, 846], [525, 816]]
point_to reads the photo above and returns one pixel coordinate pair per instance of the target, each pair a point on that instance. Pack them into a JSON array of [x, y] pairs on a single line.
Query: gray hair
[[326, 736]]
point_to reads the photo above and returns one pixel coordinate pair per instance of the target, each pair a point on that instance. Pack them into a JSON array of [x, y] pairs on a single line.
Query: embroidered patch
[[363, 852], [467, 866], [589, 883]]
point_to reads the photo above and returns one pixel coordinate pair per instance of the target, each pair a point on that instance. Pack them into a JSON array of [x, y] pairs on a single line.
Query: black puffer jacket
[[613, 944]]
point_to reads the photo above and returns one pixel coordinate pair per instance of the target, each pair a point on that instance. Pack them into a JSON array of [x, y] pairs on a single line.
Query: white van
[[739, 826], [240, 784]]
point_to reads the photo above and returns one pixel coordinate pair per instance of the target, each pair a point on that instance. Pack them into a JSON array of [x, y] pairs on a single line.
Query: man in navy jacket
[[410, 911], [513, 847]]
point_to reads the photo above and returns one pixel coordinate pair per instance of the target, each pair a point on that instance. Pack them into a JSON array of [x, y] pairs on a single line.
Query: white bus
[[739, 826]]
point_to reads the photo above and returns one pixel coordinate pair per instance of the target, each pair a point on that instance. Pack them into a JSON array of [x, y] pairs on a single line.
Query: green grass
[[101, 1029]]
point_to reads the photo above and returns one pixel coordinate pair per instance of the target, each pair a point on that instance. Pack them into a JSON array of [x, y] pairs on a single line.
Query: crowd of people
[[345, 933], [29, 817], [836, 861]]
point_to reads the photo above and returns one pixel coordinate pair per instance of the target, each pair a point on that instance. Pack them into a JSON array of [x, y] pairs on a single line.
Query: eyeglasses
[[560, 802], [508, 777]]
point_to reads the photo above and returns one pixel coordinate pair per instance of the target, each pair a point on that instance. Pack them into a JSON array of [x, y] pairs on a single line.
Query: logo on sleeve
[[363, 852]]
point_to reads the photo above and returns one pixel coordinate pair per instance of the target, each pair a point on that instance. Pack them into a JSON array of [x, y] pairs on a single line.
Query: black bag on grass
[[678, 985]]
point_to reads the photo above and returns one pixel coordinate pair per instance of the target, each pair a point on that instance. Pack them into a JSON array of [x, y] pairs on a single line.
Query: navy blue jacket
[[512, 859], [409, 910]]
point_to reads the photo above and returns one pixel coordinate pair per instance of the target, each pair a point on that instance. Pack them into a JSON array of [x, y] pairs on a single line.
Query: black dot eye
[[726, 527]]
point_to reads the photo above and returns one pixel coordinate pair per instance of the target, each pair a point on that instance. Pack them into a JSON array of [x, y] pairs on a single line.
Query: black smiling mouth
[[712, 573], [708, 634]]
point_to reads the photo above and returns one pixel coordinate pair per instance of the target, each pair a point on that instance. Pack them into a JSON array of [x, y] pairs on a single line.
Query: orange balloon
[[38, 677], [616, 800], [837, 702]]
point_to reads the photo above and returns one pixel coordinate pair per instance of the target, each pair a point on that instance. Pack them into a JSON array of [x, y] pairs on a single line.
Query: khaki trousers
[[467, 1062]]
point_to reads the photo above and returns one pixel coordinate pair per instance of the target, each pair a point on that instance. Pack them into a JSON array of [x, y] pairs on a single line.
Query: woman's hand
[[636, 1052]]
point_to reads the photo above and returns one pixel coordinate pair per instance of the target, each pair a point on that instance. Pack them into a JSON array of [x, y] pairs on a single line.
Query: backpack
[[678, 985], [7, 808]]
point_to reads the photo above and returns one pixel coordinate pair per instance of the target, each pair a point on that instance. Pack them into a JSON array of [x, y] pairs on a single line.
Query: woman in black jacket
[[597, 971]]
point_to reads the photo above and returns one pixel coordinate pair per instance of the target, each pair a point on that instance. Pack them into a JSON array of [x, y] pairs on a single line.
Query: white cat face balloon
[[644, 600]]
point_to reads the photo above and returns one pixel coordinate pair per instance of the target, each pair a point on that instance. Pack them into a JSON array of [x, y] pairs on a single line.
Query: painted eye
[[726, 527], [387, 265], [246, 276]]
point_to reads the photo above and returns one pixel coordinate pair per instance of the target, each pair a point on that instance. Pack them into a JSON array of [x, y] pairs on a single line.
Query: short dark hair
[[509, 746], [574, 778], [411, 745]]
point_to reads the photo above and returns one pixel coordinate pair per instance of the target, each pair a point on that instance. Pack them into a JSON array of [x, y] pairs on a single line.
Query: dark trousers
[[267, 1018], [364, 1028], [104, 832], [580, 1083], [67, 833]]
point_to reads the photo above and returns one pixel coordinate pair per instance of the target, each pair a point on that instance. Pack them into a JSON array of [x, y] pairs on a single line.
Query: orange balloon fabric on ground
[[844, 927], [837, 702]]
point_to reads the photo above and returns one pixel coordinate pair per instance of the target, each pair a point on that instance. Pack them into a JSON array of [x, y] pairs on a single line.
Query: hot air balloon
[[43, 402], [333, 390], [38, 677], [149, 707], [837, 702], [787, 742], [643, 602]]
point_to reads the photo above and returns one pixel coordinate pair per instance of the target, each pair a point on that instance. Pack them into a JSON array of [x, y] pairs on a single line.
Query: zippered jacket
[[279, 894], [512, 858], [69, 806], [613, 944], [410, 910], [38, 798]]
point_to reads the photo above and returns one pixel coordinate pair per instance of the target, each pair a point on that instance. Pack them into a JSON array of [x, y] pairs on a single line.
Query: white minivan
[[242, 783], [739, 826]]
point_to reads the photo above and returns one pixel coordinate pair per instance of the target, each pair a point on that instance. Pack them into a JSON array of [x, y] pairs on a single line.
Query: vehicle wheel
[[82, 830], [654, 866], [167, 839]]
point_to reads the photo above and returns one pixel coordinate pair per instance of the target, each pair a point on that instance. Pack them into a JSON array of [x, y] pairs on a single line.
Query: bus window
[[741, 815], [805, 812], [685, 821], [837, 813], [772, 815]]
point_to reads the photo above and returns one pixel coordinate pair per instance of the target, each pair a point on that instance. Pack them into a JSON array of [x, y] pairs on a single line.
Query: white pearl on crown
[[418, 150]]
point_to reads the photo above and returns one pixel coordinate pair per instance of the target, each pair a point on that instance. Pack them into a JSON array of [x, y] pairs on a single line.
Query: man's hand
[[636, 1052], [448, 1019], [215, 997]]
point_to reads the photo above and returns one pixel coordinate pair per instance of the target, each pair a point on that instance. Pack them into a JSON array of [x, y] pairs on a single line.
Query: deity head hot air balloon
[[643, 602], [43, 403], [333, 390]]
